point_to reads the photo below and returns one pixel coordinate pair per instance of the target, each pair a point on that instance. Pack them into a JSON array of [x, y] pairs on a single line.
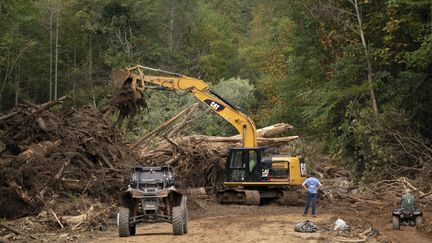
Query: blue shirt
[[312, 184]]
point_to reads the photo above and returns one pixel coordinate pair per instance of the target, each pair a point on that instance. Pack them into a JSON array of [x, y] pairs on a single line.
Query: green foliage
[[323, 89], [164, 105], [300, 61]]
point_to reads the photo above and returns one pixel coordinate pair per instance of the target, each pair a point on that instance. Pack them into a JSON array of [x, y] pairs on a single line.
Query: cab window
[[237, 160]]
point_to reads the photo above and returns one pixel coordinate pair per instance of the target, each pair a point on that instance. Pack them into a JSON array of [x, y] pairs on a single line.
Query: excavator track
[[239, 196], [252, 197], [288, 198]]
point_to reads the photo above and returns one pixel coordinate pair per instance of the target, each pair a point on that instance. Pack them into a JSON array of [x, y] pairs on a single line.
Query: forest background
[[353, 76]]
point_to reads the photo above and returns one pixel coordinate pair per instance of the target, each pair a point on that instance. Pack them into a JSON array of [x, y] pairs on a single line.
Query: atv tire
[[124, 229], [396, 223], [419, 220], [178, 218]]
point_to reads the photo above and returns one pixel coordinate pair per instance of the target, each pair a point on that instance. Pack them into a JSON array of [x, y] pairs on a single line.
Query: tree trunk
[[74, 79], [51, 53], [369, 65], [90, 69], [171, 32], [17, 86], [7, 74], [56, 55]]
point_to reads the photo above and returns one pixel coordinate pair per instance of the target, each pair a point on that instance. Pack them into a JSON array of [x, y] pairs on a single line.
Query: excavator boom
[[177, 82]]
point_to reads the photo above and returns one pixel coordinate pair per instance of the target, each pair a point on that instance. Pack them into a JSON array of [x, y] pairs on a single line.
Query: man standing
[[311, 185]]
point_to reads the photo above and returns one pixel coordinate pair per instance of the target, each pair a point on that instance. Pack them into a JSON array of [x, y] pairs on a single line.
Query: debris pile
[[199, 160], [50, 155], [353, 230]]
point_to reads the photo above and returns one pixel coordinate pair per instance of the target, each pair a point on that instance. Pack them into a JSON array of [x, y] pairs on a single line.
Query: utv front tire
[[419, 220], [178, 220], [396, 224], [124, 229]]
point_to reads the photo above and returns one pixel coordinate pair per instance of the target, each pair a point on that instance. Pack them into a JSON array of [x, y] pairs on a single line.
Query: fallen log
[[4, 117], [271, 131], [23, 196], [261, 140], [41, 123], [47, 105], [179, 126], [164, 125], [75, 220], [38, 151]]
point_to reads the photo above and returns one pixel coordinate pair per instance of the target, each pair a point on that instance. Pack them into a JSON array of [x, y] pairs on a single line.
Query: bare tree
[[17, 85], [91, 69], [56, 54], [328, 9], [51, 52], [171, 31], [12, 58], [369, 64]]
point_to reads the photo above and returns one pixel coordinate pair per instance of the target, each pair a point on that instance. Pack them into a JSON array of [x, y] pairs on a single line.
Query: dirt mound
[[49, 153]]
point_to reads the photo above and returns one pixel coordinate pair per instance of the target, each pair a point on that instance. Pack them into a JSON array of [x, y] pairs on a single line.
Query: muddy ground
[[269, 223]]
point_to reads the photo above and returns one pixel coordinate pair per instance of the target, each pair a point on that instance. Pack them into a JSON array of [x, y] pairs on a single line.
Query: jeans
[[310, 197]]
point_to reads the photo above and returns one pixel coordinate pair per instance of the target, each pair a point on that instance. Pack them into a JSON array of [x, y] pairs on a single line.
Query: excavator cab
[[243, 165]]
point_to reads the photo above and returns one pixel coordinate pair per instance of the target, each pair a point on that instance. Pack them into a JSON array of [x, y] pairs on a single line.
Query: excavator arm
[[135, 77]]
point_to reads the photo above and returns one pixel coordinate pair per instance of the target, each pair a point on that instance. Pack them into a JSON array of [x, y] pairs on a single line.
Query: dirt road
[[236, 224], [270, 223]]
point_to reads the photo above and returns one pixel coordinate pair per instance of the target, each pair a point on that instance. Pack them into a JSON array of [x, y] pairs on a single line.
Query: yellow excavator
[[251, 177]]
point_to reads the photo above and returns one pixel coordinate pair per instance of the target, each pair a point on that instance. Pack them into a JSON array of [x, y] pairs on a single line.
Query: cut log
[[41, 123], [274, 130], [75, 220], [262, 141], [23, 196], [38, 151]]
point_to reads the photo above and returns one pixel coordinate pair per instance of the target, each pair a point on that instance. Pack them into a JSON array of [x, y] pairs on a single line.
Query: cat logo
[[213, 104]]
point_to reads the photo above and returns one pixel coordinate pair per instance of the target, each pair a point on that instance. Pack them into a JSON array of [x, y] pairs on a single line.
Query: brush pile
[[51, 155]]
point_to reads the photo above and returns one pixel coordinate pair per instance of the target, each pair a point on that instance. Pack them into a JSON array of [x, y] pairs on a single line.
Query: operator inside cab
[[252, 160]]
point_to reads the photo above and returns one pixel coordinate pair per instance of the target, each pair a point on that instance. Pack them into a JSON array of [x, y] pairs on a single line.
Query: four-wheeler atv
[[151, 198], [407, 217]]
